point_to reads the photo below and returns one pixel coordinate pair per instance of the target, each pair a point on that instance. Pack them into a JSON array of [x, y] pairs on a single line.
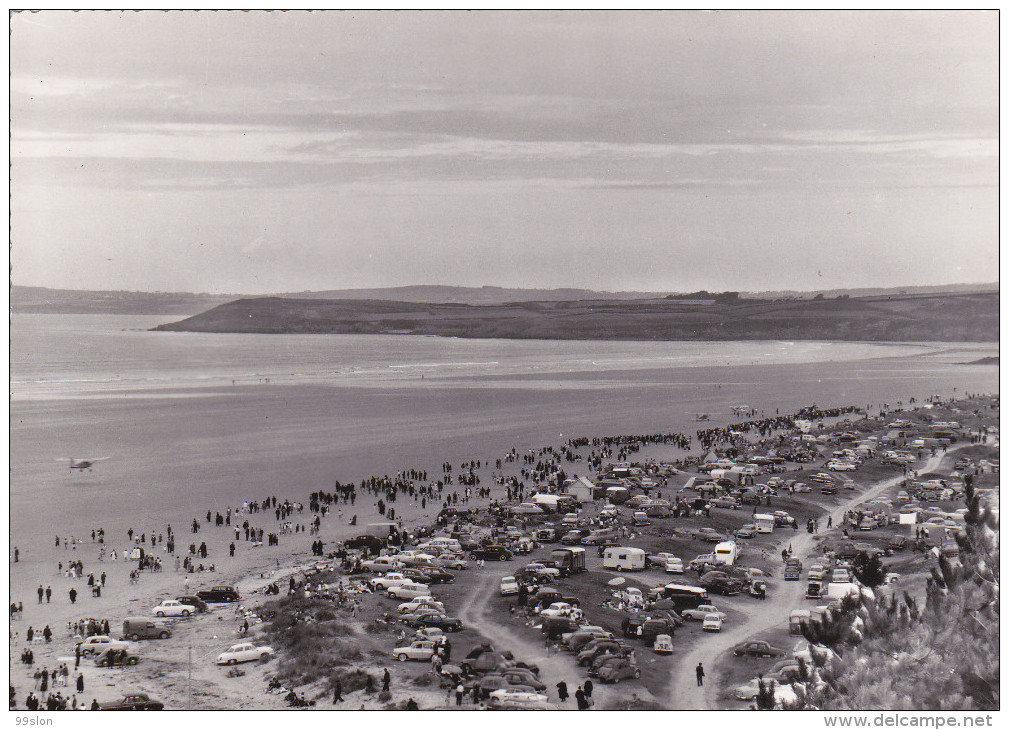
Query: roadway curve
[[682, 692]]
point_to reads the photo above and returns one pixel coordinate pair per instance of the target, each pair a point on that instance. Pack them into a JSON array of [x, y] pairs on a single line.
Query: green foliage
[[765, 694], [900, 656], [869, 570]]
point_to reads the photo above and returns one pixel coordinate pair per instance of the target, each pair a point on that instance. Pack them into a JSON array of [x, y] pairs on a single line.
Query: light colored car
[[509, 585], [674, 565], [541, 569], [515, 698], [701, 612], [381, 565], [420, 650], [408, 590], [97, 644], [782, 692], [558, 609], [387, 581], [421, 602], [429, 633], [712, 622], [245, 652], [817, 572], [172, 608], [661, 559], [450, 561]]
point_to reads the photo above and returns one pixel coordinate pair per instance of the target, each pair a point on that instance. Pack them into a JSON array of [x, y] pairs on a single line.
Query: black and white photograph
[[501, 360]]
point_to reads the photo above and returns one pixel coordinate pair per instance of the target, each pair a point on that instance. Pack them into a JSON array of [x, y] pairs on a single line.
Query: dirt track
[[683, 693], [552, 668]]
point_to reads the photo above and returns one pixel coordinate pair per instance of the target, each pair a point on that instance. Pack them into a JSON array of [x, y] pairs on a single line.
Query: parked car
[[491, 552], [416, 575], [112, 657], [172, 608], [703, 561], [198, 604], [383, 564], [386, 581], [418, 651], [97, 644], [421, 602], [712, 622], [408, 590], [617, 670], [438, 576], [698, 614], [757, 648], [674, 565], [439, 621], [219, 594], [509, 585], [660, 559], [725, 502], [709, 535], [450, 561], [244, 652], [134, 701], [747, 531], [718, 581]]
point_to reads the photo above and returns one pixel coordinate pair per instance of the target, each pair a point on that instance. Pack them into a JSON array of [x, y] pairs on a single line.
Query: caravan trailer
[[624, 558], [726, 553], [764, 523]]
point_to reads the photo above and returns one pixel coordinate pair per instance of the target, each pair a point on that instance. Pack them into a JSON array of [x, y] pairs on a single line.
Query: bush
[[385, 696]]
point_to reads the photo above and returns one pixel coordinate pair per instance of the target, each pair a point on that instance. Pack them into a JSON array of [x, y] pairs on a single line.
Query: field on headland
[[945, 317]]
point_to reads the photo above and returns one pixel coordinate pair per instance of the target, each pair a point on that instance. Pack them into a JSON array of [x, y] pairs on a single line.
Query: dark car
[[491, 552], [193, 601], [116, 658], [718, 581], [445, 623], [750, 498], [365, 542], [757, 648], [219, 594], [417, 576], [438, 576], [135, 701]]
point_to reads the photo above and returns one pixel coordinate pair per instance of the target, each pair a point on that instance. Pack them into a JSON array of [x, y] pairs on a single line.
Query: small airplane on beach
[[83, 464]]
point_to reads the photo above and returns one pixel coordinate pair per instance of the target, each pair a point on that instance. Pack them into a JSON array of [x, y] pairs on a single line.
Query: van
[[624, 558], [136, 629]]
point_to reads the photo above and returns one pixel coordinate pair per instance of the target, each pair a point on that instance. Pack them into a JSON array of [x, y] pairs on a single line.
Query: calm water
[[90, 355]]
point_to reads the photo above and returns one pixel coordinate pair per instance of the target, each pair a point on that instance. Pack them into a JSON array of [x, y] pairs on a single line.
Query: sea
[[192, 421]]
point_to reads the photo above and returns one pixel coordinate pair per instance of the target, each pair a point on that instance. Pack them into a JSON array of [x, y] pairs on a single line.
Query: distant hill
[[39, 300], [435, 294], [30, 299], [33, 299], [917, 318]]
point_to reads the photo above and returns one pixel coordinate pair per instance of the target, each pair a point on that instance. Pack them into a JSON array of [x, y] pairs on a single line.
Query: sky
[[259, 152]]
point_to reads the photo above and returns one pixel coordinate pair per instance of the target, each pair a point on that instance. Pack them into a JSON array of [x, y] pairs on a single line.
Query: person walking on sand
[[386, 678], [700, 674], [41, 592], [49, 593], [562, 691], [583, 704], [80, 684], [73, 595], [337, 692]]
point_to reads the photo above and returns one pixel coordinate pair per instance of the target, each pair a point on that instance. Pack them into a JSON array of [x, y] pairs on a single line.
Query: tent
[[583, 490]]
